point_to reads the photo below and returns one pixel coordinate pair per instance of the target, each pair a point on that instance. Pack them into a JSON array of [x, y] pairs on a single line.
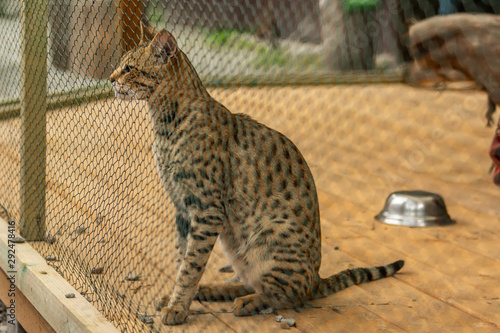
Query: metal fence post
[[33, 118]]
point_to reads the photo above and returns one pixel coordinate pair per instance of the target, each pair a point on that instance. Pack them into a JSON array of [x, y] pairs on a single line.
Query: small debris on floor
[[96, 270], [99, 219], [50, 257], [135, 290], [284, 326], [18, 239], [285, 323], [50, 239], [226, 269], [267, 311], [132, 277], [336, 310], [80, 230], [289, 321], [70, 295]]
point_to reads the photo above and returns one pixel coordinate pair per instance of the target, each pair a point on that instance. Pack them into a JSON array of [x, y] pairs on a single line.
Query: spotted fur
[[232, 178]]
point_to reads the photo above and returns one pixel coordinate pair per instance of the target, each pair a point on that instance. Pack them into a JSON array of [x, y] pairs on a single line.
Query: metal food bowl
[[415, 209]]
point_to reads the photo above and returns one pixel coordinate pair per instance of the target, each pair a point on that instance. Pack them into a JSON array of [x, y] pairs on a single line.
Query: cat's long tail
[[347, 278]]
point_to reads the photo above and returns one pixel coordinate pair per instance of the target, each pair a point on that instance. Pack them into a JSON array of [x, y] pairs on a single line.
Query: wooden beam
[[131, 12], [33, 118], [25, 312], [45, 289]]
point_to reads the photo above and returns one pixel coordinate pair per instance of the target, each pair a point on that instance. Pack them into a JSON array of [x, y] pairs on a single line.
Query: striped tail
[[347, 278]]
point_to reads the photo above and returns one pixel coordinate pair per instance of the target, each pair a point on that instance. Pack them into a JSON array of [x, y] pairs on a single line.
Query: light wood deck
[[361, 142]]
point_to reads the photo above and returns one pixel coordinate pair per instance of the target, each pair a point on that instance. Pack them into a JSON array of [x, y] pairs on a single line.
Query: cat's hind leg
[[281, 287], [226, 291]]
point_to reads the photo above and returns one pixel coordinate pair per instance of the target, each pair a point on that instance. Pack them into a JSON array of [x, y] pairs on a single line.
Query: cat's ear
[[164, 44], [148, 32]]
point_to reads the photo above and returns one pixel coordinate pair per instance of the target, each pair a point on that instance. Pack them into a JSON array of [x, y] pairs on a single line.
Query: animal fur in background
[[459, 47]]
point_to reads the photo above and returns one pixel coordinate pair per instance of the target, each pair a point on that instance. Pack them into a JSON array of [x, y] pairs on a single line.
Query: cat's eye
[[126, 69]]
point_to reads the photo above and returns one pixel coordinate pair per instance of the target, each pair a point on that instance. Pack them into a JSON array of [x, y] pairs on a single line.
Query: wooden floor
[[105, 207]]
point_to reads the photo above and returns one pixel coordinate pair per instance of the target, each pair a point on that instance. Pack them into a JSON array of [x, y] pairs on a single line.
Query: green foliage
[[154, 15], [264, 56], [235, 39], [228, 37], [351, 6], [271, 57]]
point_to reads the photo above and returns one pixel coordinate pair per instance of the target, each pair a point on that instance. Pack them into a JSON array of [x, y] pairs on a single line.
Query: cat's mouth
[[122, 92], [123, 96]]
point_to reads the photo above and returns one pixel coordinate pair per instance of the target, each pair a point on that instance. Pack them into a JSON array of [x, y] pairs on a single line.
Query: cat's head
[[142, 69]]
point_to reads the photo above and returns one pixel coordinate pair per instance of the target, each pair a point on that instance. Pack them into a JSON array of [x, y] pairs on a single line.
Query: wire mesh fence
[[78, 171]]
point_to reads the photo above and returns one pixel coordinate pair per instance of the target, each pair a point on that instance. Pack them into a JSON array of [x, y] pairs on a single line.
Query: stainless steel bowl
[[415, 209]]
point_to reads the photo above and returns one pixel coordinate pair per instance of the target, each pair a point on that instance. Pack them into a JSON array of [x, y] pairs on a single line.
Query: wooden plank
[[353, 155], [33, 108], [396, 307], [435, 275], [46, 289], [29, 318]]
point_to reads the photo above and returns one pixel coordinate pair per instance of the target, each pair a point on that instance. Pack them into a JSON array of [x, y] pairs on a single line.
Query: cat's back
[[269, 176], [271, 197], [258, 168]]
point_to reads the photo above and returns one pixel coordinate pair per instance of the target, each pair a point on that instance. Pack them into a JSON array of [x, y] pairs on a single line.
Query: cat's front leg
[[201, 239], [182, 230]]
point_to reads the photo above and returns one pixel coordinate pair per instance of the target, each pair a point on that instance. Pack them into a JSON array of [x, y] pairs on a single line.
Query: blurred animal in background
[[495, 155], [458, 47]]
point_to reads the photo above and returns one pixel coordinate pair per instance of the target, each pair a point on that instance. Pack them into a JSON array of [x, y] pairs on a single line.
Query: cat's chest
[[169, 163]]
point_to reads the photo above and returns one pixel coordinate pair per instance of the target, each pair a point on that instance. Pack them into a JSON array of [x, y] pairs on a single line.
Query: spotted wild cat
[[233, 178]]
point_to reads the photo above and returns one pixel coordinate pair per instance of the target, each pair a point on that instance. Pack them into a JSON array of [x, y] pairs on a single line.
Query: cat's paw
[[173, 315], [242, 308], [161, 303], [252, 304]]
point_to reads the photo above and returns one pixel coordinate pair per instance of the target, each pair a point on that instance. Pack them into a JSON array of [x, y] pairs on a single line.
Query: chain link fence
[[77, 169]]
